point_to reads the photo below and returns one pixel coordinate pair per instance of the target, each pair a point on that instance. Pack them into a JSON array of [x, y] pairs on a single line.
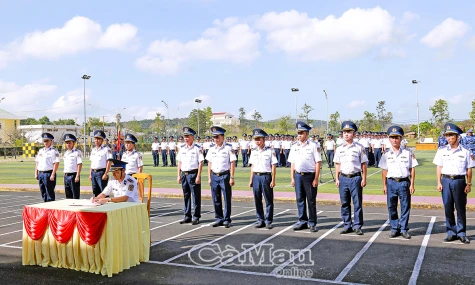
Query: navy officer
[[99, 163], [132, 156], [454, 180], [121, 189], [305, 161], [72, 168], [47, 163]]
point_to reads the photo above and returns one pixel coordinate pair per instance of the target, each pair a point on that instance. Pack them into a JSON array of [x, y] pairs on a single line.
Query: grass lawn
[[17, 172]]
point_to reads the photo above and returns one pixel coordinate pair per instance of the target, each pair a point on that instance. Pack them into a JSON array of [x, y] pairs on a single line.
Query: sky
[[143, 55]]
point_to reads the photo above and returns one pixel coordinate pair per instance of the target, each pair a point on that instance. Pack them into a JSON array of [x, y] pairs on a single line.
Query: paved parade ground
[[241, 254]]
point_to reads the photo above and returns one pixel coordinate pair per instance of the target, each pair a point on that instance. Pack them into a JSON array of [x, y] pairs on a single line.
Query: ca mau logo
[[249, 255]]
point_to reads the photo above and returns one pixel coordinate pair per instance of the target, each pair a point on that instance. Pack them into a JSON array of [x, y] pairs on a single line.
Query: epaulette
[[197, 145], [228, 144], [130, 180], [254, 148]]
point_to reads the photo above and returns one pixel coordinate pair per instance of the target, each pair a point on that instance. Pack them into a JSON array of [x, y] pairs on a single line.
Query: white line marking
[[347, 269], [161, 215], [175, 222], [11, 246], [257, 245], [279, 268], [10, 217], [11, 232], [215, 240], [12, 211], [195, 229], [422, 251], [251, 273], [11, 224], [11, 242]]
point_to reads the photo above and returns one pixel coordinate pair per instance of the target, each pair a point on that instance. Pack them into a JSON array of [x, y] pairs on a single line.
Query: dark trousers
[[330, 155], [286, 154], [370, 158], [191, 191], [72, 189], [155, 157], [221, 184], [453, 194], [306, 196], [172, 158], [164, 158], [350, 188], [114, 155], [47, 186], [277, 154], [399, 190], [367, 154], [244, 158], [98, 184], [205, 153], [237, 157], [261, 186], [377, 156]]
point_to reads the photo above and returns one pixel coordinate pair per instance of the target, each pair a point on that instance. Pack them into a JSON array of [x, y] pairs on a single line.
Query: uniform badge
[[364, 151], [448, 127], [131, 187], [57, 154], [256, 132], [472, 156], [394, 130], [347, 126], [299, 125], [214, 129], [186, 129]]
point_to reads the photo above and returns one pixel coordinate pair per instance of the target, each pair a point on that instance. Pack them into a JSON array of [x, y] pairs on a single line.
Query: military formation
[[350, 155]]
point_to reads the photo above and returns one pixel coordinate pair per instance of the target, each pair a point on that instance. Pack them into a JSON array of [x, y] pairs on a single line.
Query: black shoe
[[269, 226], [227, 224], [464, 239], [394, 234], [185, 221], [359, 232], [260, 225], [406, 235], [217, 224], [450, 238], [346, 231], [300, 227], [195, 222], [313, 229]]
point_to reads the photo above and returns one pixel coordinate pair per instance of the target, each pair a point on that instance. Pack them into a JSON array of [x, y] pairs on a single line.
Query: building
[[8, 125], [224, 119], [33, 133]]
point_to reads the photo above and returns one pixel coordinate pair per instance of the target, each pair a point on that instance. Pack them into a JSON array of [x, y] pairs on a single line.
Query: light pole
[[417, 104], [2, 99], [168, 115], [326, 97], [295, 90], [198, 101], [85, 77]]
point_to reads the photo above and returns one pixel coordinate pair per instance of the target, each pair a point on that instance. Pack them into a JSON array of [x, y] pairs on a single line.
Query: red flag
[[118, 140]]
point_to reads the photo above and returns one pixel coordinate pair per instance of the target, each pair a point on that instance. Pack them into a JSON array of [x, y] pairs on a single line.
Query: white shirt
[[330, 145], [71, 160], [262, 159], [252, 144], [387, 143], [453, 161], [350, 157], [364, 142], [268, 143], [403, 143], [99, 157], [398, 164], [221, 158], [235, 145], [155, 146], [163, 145], [244, 144], [190, 157], [134, 161], [172, 145], [128, 187], [46, 158], [206, 145], [304, 156], [286, 144], [339, 141], [276, 144], [376, 143]]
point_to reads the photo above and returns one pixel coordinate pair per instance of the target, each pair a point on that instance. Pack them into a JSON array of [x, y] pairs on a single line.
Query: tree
[[306, 111], [285, 124], [29, 121], [383, 117], [242, 114], [472, 113], [134, 126], [158, 123], [205, 119], [64, 122], [44, 121], [334, 123], [369, 122], [257, 117], [425, 128], [440, 112]]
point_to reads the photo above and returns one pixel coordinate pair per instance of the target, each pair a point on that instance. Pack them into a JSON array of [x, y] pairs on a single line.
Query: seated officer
[[123, 187]]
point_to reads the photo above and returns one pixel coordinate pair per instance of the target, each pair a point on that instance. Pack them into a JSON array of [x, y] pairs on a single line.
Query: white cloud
[[409, 17], [19, 98], [228, 41], [391, 52], [445, 34], [77, 35], [356, 104], [354, 33], [71, 105]]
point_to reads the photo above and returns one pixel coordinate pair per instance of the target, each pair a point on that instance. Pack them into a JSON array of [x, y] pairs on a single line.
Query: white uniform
[[172, 145], [252, 144], [244, 144], [276, 144], [134, 161], [286, 144], [454, 161], [46, 158], [235, 146], [304, 156], [155, 146], [330, 145], [398, 163], [221, 158], [99, 157], [262, 160], [164, 146], [128, 187], [376, 143], [350, 157], [71, 160], [190, 157], [339, 141], [364, 142]]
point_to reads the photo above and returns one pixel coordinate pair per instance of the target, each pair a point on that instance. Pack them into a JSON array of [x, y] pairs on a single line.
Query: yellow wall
[[8, 126]]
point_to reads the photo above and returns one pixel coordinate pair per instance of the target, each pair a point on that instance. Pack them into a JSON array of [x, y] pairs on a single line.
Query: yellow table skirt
[[125, 241]]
